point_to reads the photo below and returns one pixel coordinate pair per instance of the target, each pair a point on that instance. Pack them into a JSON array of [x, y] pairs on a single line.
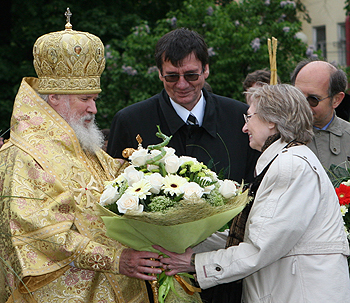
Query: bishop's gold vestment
[[53, 245]]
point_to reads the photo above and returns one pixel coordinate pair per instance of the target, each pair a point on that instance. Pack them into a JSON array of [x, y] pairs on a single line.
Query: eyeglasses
[[247, 117], [313, 100], [188, 77]]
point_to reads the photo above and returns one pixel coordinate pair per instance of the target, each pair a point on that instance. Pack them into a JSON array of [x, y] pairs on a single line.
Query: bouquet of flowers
[[172, 201], [340, 178]]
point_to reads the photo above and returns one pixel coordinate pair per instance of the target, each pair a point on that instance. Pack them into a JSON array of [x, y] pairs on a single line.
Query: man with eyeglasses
[[324, 86], [213, 135]]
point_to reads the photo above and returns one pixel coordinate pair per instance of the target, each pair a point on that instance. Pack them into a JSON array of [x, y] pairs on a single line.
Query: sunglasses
[[313, 100], [188, 77]]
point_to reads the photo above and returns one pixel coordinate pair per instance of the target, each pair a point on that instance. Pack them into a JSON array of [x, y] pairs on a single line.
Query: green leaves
[[202, 182], [228, 29], [130, 31], [338, 174]]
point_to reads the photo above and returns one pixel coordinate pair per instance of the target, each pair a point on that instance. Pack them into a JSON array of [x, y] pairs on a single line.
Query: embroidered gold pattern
[[84, 189], [43, 228], [69, 62]]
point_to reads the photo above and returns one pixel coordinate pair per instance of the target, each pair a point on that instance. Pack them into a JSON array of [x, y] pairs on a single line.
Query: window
[[341, 44], [320, 40]]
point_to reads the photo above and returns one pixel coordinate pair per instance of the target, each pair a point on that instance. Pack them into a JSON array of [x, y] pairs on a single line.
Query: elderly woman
[[294, 247]]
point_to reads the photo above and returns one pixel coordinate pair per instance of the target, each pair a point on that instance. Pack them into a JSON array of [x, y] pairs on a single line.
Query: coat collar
[[175, 122], [268, 155], [334, 128]]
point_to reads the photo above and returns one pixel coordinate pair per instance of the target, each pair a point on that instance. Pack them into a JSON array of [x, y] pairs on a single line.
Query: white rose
[[192, 190], [169, 151], [228, 188], [154, 153], [109, 195], [139, 157], [172, 164], [132, 175], [129, 202], [184, 159], [156, 181], [109, 183]]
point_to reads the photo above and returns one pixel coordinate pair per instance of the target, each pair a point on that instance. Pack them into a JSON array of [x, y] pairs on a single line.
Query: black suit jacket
[[219, 141]]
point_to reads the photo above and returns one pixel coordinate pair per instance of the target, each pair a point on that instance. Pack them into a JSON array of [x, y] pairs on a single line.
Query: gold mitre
[[69, 62]]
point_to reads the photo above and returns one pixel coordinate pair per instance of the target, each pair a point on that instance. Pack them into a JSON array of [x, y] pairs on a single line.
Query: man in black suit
[[213, 134], [214, 137]]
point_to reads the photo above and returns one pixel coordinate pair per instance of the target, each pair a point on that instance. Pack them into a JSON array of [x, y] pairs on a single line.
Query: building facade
[[328, 29]]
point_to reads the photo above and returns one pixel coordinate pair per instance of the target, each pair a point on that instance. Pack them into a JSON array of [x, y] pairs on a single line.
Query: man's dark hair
[[337, 83], [297, 69], [176, 45], [208, 87], [260, 75], [337, 77]]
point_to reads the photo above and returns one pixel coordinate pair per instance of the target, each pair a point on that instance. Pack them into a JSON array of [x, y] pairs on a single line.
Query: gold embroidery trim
[[42, 233]]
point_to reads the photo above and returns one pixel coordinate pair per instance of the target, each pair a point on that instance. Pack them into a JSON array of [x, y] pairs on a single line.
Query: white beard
[[90, 137]]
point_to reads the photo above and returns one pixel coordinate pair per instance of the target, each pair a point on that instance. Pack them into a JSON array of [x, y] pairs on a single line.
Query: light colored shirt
[[326, 126], [197, 111]]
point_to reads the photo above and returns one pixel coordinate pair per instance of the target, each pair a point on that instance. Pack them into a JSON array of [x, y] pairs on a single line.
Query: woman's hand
[[176, 263]]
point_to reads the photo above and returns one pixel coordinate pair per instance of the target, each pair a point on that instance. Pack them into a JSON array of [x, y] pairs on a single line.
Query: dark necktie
[[191, 120]]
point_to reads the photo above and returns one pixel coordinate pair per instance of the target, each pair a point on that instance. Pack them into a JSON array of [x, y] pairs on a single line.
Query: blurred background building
[[329, 30]]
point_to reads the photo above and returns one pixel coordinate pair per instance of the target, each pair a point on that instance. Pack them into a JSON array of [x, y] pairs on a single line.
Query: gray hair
[[44, 97], [287, 107], [337, 77]]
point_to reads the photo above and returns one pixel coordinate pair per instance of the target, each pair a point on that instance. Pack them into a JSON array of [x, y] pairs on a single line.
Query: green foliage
[[130, 76], [347, 6], [338, 174], [228, 29], [130, 31], [25, 21]]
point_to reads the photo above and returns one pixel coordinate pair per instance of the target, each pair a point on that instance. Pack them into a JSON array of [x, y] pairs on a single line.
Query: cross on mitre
[[68, 14]]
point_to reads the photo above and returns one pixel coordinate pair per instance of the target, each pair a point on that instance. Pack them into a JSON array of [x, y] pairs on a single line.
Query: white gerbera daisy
[[172, 184], [343, 210], [140, 189]]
